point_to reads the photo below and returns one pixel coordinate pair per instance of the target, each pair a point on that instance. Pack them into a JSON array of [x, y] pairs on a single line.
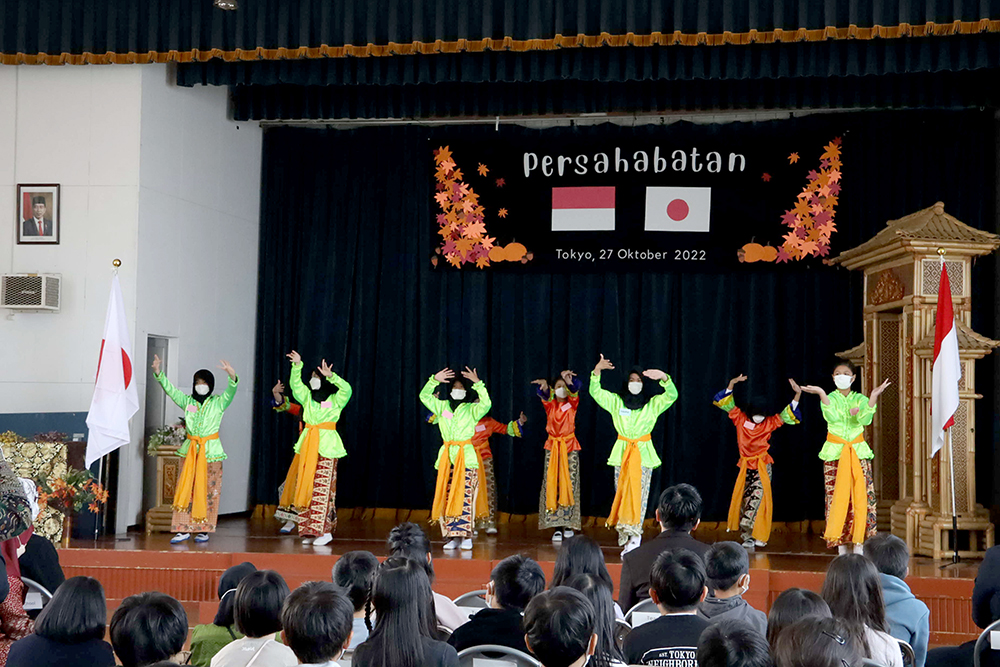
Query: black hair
[[853, 590], [148, 628], [228, 582], [599, 593], [516, 579], [678, 577], [733, 643], [847, 363], [889, 554], [258, 603], [580, 555], [410, 541], [76, 613], [819, 642], [558, 625], [208, 378], [792, 605], [445, 392], [680, 507], [353, 573], [316, 622], [326, 388], [756, 405], [630, 400], [404, 615], [725, 563]]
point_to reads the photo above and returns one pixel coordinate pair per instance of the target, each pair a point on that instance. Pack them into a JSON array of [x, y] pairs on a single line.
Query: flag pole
[[103, 514]]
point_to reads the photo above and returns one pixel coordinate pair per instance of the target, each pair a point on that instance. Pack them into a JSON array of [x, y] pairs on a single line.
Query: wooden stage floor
[[136, 562]]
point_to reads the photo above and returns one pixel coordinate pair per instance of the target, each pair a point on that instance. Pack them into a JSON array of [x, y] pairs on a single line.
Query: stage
[[190, 572]]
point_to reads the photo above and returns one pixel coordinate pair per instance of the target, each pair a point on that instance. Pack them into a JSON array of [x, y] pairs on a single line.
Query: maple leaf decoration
[[793, 158], [766, 177], [502, 213], [483, 169], [501, 182]]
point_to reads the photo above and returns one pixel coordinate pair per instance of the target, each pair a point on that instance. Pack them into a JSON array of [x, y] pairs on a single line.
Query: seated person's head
[[728, 569], [889, 554], [559, 627], [148, 628], [316, 622], [733, 643], [679, 508], [258, 603], [353, 573], [77, 612], [410, 541], [677, 581], [513, 582], [819, 642], [791, 606]]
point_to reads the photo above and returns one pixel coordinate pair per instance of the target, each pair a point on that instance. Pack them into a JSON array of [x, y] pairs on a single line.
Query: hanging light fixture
[[225, 4]]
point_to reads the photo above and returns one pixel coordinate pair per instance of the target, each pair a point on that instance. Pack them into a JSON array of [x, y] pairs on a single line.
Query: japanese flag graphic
[[670, 209]]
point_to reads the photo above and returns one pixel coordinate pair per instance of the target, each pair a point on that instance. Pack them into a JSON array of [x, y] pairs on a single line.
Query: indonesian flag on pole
[[115, 396], [947, 368]]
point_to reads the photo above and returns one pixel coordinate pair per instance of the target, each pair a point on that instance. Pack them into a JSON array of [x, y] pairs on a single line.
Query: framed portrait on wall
[[38, 213]]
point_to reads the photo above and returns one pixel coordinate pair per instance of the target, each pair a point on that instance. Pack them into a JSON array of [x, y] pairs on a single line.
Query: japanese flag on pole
[[115, 396], [947, 368]]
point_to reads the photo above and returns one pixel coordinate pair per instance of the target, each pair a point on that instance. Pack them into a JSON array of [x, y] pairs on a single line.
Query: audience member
[[405, 631], [985, 610], [820, 642], [733, 642], [208, 639], [257, 611], [14, 622], [148, 628], [353, 572], [513, 582], [69, 632], [727, 567], [908, 618], [316, 623], [679, 512], [853, 591], [677, 583], [598, 591], [582, 555], [40, 560], [791, 606], [410, 541], [559, 628]]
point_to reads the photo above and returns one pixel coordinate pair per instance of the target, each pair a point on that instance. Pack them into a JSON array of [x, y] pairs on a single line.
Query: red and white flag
[[584, 209], [115, 396], [947, 368], [675, 209]]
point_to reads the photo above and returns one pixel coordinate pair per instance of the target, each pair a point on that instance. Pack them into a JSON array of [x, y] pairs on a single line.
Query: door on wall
[[155, 416]]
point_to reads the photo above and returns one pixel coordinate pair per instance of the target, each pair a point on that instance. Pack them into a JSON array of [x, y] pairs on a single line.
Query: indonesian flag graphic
[[588, 209], [115, 396], [947, 368], [671, 209]]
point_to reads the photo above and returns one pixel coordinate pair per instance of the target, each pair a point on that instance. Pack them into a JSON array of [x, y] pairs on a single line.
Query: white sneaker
[[842, 549], [323, 540], [632, 543], [180, 537], [859, 549], [475, 533], [557, 536], [749, 544], [491, 531], [452, 545], [759, 543], [467, 544], [201, 537], [288, 527], [567, 533], [307, 540]]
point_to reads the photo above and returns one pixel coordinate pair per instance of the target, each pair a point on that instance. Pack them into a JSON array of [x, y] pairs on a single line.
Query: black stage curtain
[[344, 275]]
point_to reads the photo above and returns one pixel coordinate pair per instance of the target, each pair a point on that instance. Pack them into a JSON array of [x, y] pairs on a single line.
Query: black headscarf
[[326, 388], [755, 405], [208, 378], [635, 401], [230, 579], [444, 392]]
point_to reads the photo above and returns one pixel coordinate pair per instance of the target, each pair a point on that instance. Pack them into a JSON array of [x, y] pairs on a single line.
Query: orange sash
[[192, 489], [626, 509], [558, 490], [298, 490], [762, 526], [288, 490], [448, 502], [482, 508], [850, 488]]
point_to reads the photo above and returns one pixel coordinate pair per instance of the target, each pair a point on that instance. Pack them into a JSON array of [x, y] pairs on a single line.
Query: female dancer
[[752, 493], [196, 501], [634, 414], [559, 502], [847, 460], [280, 403], [311, 485], [457, 464]]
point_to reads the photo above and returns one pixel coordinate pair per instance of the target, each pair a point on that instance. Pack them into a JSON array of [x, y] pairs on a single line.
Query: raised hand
[[325, 369], [444, 375], [224, 365], [877, 392], [523, 419], [655, 374], [542, 383], [568, 376], [736, 380], [294, 357], [156, 364], [795, 386], [471, 375], [603, 365], [277, 390], [812, 389]]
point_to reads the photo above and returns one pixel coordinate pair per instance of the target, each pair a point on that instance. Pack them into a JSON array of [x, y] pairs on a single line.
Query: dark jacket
[[491, 626], [29, 228], [636, 564], [985, 610], [40, 562], [713, 610], [35, 651], [436, 654]]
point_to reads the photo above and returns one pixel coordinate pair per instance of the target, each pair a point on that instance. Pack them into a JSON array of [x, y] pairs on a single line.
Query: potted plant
[[166, 439], [71, 493]]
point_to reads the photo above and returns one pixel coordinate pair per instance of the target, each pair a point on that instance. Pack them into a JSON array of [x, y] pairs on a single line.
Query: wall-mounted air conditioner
[[31, 291]]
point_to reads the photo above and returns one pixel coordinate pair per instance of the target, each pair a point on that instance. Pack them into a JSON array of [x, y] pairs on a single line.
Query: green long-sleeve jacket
[[331, 445], [201, 419], [633, 423], [459, 425], [840, 422]]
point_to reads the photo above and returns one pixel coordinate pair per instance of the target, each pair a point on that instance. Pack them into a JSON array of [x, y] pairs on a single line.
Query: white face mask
[[315, 383], [843, 381], [635, 387], [458, 394], [561, 392], [757, 419], [201, 389]]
